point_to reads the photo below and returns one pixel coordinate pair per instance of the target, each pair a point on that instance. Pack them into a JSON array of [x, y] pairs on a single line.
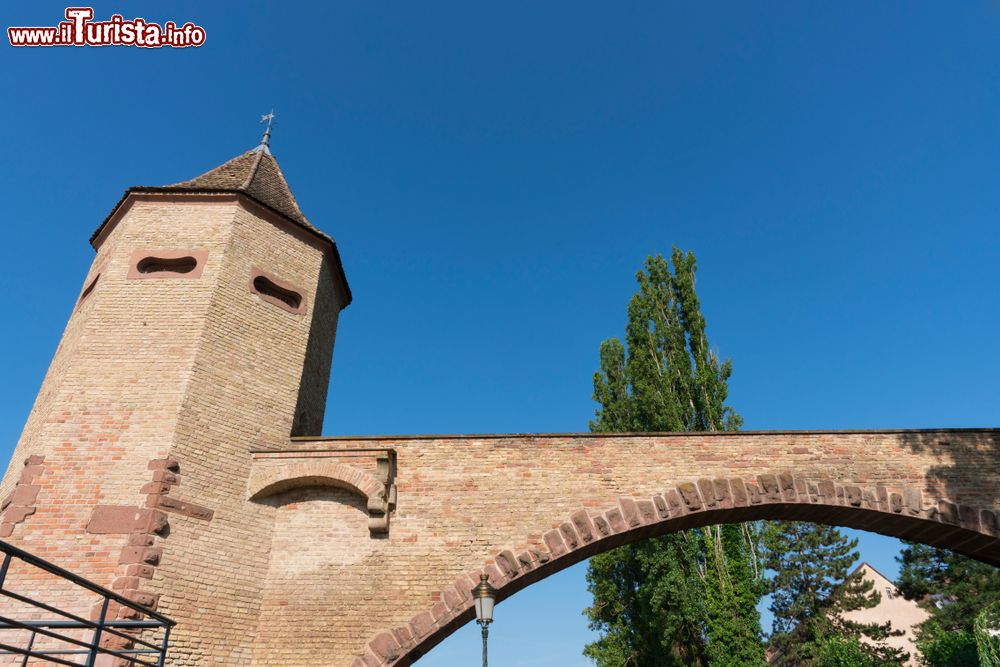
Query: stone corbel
[[276, 471], [381, 505]]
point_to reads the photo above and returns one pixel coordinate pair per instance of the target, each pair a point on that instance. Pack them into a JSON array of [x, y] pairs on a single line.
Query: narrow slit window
[[149, 265], [267, 288], [88, 289]]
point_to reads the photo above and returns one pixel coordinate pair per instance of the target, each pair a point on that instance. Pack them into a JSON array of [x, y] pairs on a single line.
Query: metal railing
[[143, 641]]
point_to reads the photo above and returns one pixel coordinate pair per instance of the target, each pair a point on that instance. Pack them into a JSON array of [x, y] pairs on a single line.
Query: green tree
[[988, 635], [648, 604], [842, 652], [687, 598], [811, 589], [733, 586], [953, 648], [954, 590]]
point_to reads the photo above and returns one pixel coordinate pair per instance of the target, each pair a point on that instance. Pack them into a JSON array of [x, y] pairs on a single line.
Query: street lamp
[[484, 596]]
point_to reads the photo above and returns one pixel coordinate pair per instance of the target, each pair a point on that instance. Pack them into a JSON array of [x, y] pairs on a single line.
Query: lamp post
[[484, 596]]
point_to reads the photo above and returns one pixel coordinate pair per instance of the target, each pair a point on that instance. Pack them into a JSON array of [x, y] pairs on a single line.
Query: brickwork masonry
[[166, 457], [20, 504]]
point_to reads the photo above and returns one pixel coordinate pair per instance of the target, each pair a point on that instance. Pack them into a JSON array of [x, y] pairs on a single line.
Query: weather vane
[[269, 118]]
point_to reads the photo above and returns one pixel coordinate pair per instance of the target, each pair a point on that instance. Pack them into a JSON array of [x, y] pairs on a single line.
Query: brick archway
[[268, 481], [521, 507], [902, 511]]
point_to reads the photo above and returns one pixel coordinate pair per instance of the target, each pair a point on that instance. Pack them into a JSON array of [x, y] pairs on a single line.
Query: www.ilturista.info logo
[[81, 30]]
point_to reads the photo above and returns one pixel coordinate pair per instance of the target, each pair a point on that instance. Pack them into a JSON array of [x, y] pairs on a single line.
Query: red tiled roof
[[255, 174]]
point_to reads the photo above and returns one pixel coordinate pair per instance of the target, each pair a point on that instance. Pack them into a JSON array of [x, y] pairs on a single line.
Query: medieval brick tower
[[174, 455], [204, 330]]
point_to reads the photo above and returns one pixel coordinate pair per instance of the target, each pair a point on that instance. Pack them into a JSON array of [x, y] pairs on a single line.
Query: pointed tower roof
[[256, 175]]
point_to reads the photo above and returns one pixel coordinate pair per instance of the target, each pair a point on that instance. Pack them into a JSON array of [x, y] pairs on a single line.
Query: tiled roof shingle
[[256, 174]]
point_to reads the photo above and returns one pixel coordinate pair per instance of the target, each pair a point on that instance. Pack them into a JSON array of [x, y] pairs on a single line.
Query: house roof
[[866, 565], [254, 174]]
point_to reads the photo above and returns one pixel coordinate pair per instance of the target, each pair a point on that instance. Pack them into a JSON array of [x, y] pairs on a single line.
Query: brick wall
[[132, 468], [523, 507], [246, 385], [111, 399], [158, 460]]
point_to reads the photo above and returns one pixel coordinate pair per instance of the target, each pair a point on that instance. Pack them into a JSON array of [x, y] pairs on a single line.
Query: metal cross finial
[[269, 118]]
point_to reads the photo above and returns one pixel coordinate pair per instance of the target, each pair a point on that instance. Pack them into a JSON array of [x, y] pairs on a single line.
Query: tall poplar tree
[[687, 598]]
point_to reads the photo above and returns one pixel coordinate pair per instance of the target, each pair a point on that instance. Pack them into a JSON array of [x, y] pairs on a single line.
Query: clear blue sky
[[495, 175]]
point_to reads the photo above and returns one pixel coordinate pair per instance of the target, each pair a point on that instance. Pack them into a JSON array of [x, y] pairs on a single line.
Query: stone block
[[113, 520], [661, 507], [647, 512], [689, 494], [707, 490], [554, 543], [629, 512], [583, 525]]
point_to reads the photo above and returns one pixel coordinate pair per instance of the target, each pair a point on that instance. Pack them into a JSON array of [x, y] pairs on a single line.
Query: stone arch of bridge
[[905, 512]]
